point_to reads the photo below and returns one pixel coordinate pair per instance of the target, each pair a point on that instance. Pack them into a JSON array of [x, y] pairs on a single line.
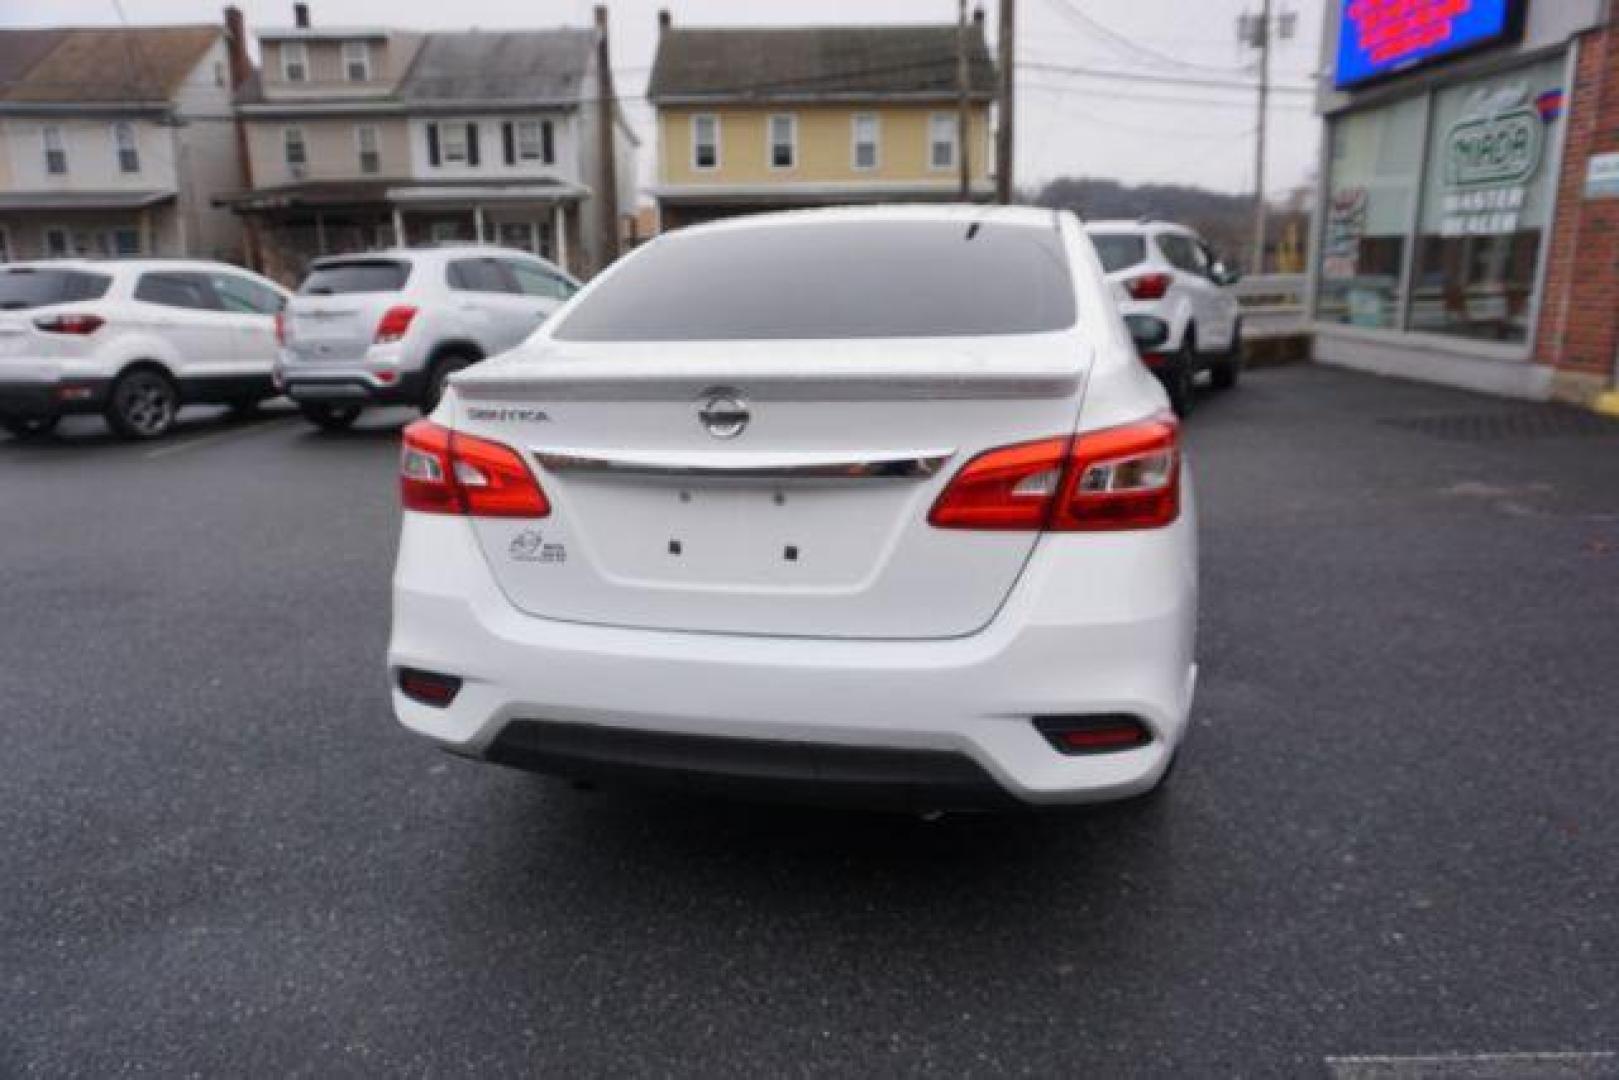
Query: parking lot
[[1395, 830]]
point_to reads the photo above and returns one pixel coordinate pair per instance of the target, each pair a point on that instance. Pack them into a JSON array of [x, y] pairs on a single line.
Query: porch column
[[399, 227], [534, 237], [559, 226], [477, 223]]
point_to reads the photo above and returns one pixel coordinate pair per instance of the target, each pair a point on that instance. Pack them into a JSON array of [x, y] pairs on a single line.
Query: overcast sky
[[1187, 129]]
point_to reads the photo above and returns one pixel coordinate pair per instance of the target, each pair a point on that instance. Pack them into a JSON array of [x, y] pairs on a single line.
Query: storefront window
[[1375, 166], [1487, 200]]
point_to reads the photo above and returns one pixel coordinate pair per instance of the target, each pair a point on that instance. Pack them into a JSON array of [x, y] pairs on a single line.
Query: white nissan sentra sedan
[[871, 504]]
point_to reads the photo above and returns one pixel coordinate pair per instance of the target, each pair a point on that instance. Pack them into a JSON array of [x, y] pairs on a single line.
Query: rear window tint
[[29, 288], [1119, 250], [862, 279], [358, 276]]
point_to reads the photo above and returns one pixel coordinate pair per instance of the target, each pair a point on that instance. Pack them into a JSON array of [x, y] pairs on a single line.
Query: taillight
[[442, 471], [1093, 734], [394, 324], [81, 325], [280, 328], [1148, 286], [1121, 478]]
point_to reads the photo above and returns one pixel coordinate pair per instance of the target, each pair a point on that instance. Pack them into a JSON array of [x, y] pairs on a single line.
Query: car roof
[[134, 266], [1138, 225], [1026, 216]]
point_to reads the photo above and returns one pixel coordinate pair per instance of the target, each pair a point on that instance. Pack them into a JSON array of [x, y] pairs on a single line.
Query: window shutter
[[432, 145], [547, 148], [510, 138], [472, 144]]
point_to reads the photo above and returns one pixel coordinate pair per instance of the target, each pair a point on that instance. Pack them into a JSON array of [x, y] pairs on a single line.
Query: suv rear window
[[26, 287], [1119, 250], [356, 276], [862, 279]]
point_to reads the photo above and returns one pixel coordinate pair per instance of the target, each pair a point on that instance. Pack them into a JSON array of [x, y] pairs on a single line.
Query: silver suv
[[388, 328]]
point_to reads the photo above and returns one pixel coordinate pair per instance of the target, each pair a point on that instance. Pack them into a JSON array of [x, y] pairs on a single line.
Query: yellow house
[[753, 118]]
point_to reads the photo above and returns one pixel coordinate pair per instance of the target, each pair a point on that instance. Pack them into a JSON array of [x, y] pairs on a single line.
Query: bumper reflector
[[1093, 734], [429, 687]]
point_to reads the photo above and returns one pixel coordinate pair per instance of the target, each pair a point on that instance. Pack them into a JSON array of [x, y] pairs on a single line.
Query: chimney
[[664, 21], [978, 16], [236, 45], [300, 16]]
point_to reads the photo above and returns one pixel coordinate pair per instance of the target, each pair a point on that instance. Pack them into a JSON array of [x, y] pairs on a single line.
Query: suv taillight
[[394, 324], [1148, 286], [1099, 481], [281, 328], [443, 471], [81, 325]]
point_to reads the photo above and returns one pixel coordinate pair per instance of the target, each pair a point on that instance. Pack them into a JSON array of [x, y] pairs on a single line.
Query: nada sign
[[1381, 37], [1602, 177], [1502, 149]]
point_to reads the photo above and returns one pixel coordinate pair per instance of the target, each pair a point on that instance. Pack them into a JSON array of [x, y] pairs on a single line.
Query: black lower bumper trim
[[356, 391], [42, 400], [754, 769]]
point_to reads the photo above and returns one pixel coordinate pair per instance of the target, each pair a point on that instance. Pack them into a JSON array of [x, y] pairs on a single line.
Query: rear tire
[[143, 404], [438, 377], [1225, 374], [330, 417], [23, 428], [1179, 377]]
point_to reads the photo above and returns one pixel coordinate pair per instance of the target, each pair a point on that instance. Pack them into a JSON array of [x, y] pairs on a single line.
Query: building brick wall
[[1578, 333]]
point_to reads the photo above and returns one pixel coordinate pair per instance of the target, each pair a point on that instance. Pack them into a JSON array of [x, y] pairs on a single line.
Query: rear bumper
[[352, 387], [56, 397], [1098, 624]]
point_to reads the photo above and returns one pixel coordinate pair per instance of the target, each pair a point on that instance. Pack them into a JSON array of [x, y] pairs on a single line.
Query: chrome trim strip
[[918, 465], [486, 388]]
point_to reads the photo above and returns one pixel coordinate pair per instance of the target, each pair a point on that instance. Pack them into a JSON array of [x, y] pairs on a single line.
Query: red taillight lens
[[1121, 478], [82, 325], [1093, 734], [280, 328], [429, 687], [1148, 286], [446, 472], [394, 324]]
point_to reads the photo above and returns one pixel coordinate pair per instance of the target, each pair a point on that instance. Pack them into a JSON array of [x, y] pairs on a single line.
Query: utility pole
[[963, 106], [1003, 134], [1262, 38]]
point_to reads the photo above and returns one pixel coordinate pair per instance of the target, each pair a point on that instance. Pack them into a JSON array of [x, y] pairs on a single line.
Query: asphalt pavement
[[1394, 833]]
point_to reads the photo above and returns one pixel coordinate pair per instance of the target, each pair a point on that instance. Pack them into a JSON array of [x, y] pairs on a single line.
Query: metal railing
[[1272, 305]]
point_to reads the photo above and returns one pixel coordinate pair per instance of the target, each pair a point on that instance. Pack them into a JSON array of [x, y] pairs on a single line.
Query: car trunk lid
[[809, 519]]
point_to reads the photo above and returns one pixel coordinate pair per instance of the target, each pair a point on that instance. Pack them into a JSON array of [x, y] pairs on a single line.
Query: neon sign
[[1381, 37]]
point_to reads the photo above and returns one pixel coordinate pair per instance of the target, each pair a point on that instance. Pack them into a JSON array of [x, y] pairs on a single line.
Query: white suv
[[391, 327], [1167, 272], [869, 502], [133, 340]]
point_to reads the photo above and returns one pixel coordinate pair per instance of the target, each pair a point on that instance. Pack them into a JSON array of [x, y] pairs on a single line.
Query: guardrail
[[1272, 306]]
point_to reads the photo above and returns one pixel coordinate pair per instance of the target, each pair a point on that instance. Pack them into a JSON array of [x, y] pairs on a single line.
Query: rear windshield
[[358, 276], [1119, 250], [874, 279], [30, 288]]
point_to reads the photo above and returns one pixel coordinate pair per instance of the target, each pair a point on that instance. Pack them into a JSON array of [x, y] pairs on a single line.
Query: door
[[544, 289], [180, 306], [489, 303], [252, 306], [1224, 305], [1191, 272]]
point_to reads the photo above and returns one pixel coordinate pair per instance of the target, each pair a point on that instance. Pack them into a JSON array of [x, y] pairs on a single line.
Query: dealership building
[[1467, 225]]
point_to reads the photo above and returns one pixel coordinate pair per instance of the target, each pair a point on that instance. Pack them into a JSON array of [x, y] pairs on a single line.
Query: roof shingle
[[495, 67], [802, 63], [108, 65]]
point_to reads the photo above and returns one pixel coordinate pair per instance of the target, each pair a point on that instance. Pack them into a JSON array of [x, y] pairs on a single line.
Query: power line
[[1174, 80], [1129, 47]]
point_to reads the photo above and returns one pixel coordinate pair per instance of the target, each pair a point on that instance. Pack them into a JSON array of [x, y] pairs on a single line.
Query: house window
[[865, 141], [705, 141], [56, 244], [357, 61], [365, 139], [129, 158], [126, 242], [294, 61], [942, 141], [535, 141], [55, 152], [783, 141], [296, 151], [455, 143]]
